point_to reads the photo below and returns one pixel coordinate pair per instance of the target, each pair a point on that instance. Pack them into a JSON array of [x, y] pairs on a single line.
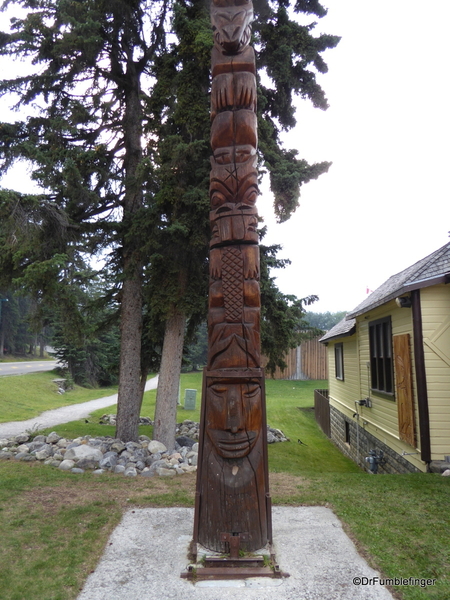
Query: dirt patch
[[283, 485], [137, 491], [107, 488]]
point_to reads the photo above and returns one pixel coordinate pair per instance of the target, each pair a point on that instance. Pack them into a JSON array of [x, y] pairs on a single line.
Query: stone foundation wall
[[342, 427]]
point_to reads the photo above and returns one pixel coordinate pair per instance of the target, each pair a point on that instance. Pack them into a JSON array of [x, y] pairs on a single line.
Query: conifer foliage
[[113, 121]]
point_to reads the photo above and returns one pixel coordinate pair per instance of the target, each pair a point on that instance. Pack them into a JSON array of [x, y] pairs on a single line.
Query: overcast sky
[[384, 204]]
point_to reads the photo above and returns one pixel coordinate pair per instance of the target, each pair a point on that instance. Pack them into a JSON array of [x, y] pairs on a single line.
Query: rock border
[[147, 458]]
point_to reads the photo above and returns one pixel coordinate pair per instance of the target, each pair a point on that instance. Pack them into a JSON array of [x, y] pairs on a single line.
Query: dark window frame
[[347, 436], [339, 361], [381, 357]]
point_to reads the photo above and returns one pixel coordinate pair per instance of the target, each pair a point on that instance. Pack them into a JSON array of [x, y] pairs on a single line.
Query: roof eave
[[338, 335], [417, 285]]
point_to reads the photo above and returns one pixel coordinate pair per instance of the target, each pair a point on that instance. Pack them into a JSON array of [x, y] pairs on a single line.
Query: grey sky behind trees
[[384, 203]]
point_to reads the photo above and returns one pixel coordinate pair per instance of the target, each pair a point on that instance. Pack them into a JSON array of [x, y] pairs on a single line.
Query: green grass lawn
[[7, 358], [55, 525], [26, 396]]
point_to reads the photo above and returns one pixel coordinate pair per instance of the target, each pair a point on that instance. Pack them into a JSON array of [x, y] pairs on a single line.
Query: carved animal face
[[231, 225], [231, 21], [235, 183], [233, 415]]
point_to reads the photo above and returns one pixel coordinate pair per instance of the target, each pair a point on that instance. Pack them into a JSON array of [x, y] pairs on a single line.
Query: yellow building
[[389, 372]]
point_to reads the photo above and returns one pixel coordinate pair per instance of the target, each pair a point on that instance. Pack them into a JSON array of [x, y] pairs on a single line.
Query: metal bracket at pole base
[[219, 567]]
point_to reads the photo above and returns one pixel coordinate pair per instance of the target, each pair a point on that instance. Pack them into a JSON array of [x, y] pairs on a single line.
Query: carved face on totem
[[231, 20], [230, 225], [233, 416], [234, 187]]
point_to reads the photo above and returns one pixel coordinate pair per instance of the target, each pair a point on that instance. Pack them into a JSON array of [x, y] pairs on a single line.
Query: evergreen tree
[[180, 124], [324, 321], [83, 139], [105, 77], [283, 322], [286, 51]]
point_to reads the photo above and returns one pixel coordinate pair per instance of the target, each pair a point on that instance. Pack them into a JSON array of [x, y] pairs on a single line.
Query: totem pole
[[232, 510]]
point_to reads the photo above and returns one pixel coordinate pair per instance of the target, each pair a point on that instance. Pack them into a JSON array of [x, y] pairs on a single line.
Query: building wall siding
[[380, 422], [384, 410], [348, 390], [435, 303]]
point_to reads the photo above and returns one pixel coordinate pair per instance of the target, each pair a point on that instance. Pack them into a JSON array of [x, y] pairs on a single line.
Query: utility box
[[189, 399]]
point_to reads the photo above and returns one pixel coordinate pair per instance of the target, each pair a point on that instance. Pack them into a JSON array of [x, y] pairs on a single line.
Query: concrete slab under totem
[[148, 551]]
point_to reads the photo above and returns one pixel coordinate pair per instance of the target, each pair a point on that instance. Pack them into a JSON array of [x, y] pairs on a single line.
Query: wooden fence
[[322, 410], [307, 361]]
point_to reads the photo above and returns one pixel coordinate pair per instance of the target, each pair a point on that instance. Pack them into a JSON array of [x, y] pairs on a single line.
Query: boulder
[[118, 446], [43, 453], [24, 457], [162, 472], [23, 448], [66, 465], [154, 446], [83, 451], [7, 443], [183, 440], [5, 455], [130, 472], [39, 438], [53, 438], [87, 463], [109, 460]]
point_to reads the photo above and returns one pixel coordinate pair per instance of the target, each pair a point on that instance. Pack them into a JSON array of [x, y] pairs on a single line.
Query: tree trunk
[[130, 391], [169, 381], [42, 344], [144, 375]]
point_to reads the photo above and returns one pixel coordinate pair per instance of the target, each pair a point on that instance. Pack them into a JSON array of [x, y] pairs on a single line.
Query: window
[[339, 361], [380, 339], [347, 432]]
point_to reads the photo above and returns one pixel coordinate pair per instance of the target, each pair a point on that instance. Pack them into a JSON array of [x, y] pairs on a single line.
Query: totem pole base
[[215, 566]]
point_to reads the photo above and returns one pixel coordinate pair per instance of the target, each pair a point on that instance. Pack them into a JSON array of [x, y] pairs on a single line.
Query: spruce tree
[[83, 139], [289, 54], [116, 133]]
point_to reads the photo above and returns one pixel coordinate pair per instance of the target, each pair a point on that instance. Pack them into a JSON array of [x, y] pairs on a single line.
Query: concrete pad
[[147, 553]]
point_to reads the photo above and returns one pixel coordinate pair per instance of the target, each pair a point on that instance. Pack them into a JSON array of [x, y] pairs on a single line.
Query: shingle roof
[[428, 271], [341, 329]]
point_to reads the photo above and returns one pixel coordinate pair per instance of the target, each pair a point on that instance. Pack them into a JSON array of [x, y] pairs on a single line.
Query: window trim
[[381, 357], [339, 361]]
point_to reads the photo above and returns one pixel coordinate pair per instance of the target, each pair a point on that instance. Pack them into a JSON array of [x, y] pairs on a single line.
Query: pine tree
[[83, 139], [179, 109], [116, 132], [286, 51]]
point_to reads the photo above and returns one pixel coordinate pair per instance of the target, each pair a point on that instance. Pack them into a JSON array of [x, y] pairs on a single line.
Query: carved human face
[[231, 21], [233, 416]]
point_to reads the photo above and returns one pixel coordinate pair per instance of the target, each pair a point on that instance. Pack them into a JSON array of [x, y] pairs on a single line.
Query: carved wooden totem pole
[[233, 504]]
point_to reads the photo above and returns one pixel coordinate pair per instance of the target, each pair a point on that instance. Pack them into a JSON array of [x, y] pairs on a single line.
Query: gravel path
[[65, 414]]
